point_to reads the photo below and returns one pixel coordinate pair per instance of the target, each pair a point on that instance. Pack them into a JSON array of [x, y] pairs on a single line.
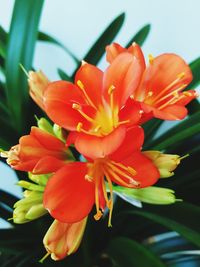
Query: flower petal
[[91, 78], [124, 74], [58, 100], [162, 72], [132, 142], [100, 147], [48, 164], [113, 50], [130, 111], [147, 173], [68, 196]]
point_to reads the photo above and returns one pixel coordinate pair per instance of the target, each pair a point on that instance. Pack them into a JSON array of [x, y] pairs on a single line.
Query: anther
[[181, 75], [98, 215], [187, 94], [151, 59], [80, 84], [97, 128], [79, 127], [111, 89], [76, 106], [88, 177], [131, 170]]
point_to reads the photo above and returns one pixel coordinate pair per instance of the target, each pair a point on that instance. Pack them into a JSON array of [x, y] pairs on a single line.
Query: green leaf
[[98, 49], [126, 252], [140, 36], [8, 198], [64, 76], [21, 44], [182, 131], [3, 35], [151, 128], [47, 38], [180, 217]]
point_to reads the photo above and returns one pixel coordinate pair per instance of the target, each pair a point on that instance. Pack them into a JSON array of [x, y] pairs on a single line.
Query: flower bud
[[45, 125], [166, 163], [152, 195], [38, 83], [63, 239], [29, 208]]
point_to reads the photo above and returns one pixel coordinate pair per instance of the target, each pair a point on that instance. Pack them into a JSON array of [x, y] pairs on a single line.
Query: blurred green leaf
[[180, 217], [3, 35], [21, 44], [47, 38], [64, 76], [98, 49], [189, 127], [126, 252], [151, 127], [140, 36], [8, 198]]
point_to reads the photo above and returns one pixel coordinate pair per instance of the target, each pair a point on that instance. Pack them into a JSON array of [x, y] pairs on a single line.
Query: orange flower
[[160, 90], [38, 83], [39, 152], [63, 239], [72, 191], [97, 108]]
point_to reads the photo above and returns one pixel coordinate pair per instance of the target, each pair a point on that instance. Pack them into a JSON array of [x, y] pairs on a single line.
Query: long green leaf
[[3, 35], [8, 198], [180, 217], [64, 76], [178, 133], [140, 36], [21, 44], [126, 252], [98, 49]]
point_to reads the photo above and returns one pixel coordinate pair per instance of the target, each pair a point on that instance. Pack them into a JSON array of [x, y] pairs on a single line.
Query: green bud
[[59, 132], [45, 125], [152, 195], [35, 212], [30, 186], [41, 179]]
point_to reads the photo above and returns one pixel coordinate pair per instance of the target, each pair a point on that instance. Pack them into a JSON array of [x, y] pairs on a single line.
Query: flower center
[[105, 117], [103, 172]]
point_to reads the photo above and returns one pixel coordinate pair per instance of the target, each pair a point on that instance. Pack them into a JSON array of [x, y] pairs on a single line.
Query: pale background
[[77, 24]]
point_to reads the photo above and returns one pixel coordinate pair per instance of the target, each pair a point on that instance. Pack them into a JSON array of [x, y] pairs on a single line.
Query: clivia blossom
[[38, 152], [97, 108], [73, 190], [160, 89]]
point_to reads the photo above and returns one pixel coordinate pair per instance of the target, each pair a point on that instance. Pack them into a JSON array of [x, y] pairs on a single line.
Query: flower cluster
[[101, 116]]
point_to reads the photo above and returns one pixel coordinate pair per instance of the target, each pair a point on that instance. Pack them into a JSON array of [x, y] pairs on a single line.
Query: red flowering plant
[[103, 113], [94, 149]]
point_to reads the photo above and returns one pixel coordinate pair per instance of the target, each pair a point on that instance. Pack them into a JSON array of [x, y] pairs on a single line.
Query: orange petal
[[136, 51], [186, 97], [132, 142], [91, 79], [147, 173], [131, 111], [113, 50], [99, 147], [165, 69], [68, 196], [48, 164], [124, 74], [47, 140], [58, 100]]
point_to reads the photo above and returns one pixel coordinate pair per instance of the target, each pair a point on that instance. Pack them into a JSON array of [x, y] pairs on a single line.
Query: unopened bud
[[63, 239], [166, 163]]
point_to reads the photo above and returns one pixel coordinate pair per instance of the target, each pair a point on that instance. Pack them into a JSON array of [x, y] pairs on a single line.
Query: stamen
[[123, 174], [179, 77], [123, 122], [78, 108], [151, 59], [97, 128], [110, 204], [129, 169], [89, 178], [79, 127], [174, 93], [81, 86], [98, 215], [187, 94], [45, 256]]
